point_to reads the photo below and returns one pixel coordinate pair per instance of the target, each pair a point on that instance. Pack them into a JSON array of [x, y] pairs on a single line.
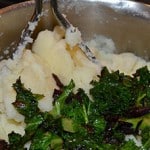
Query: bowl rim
[[31, 2]]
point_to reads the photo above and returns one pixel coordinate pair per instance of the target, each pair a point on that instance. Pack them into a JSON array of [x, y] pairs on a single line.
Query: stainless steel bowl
[[126, 22]]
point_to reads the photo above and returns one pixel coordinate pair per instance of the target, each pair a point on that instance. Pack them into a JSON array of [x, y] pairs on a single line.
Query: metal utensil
[[27, 32], [25, 38], [67, 25], [34, 20]]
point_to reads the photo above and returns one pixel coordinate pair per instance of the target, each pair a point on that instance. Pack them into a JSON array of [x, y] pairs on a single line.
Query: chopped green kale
[[26, 102], [113, 93], [145, 133], [118, 105], [129, 145]]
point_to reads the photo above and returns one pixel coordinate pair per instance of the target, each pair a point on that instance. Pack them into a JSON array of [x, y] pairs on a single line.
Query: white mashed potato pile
[[51, 54]]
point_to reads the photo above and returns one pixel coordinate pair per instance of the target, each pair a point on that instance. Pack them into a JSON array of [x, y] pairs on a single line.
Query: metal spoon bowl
[[67, 25]]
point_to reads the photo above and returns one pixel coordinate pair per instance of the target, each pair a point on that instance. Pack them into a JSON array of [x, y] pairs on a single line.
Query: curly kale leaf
[[145, 133], [15, 141], [129, 145], [46, 141], [142, 86], [77, 107], [115, 93], [60, 102], [82, 128], [26, 102], [112, 93], [76, 122], [38, 124]]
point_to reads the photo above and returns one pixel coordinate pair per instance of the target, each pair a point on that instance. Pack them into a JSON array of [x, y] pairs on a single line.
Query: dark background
[[4, 3]]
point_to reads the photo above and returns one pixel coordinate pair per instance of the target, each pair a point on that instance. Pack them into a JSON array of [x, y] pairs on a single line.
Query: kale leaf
[[26, 102], [112, 93], [118, 105]]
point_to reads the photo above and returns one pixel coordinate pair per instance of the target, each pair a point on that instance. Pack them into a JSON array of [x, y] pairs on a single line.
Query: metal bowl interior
[[127, 23]]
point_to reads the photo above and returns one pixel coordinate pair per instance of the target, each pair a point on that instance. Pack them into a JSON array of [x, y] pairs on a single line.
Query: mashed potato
[[51, 54]]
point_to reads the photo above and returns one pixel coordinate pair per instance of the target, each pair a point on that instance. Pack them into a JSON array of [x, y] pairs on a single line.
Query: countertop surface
[[4, 3]]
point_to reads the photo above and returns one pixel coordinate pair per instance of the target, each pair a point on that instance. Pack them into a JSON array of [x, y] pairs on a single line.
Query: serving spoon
[[68, 26], [25, 38], [27, 32]]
